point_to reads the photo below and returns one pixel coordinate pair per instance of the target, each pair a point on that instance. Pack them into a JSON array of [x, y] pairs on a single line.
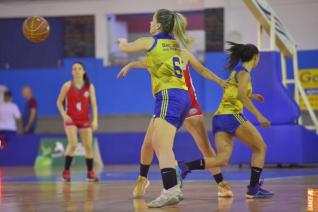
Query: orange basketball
[[36, 29]]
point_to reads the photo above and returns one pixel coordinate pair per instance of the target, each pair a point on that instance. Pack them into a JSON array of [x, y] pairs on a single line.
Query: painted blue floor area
[[239, 174]]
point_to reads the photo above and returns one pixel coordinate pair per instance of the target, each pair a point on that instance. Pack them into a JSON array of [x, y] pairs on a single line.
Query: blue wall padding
[[18, 52], [46, 86], [125, 145], [308, 59], [20, 151], [278, 107], [286, 144], [132, 95], [213, 93]]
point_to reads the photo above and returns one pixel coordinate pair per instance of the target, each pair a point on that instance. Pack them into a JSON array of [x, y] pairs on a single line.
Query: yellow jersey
[[164, 63], [230, 104]]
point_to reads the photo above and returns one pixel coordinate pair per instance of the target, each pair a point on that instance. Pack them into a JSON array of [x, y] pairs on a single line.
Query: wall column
[[101, 45]]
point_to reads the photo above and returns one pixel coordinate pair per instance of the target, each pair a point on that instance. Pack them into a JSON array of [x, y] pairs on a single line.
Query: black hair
[[240, 52], [8, 94], [85, 76]]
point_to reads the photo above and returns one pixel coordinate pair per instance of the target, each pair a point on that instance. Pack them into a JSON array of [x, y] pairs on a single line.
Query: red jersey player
[[193, 123], [195, 109], [79, 95]]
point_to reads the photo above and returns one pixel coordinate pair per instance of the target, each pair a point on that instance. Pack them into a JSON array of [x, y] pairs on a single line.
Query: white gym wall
[[299, 16]]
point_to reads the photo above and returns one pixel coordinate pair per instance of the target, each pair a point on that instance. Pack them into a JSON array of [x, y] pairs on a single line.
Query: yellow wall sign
[[309, 81]]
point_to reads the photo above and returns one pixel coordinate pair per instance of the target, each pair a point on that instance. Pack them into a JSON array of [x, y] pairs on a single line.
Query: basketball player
[[172, 101], [194, 124], [79, 94], [229, 121]]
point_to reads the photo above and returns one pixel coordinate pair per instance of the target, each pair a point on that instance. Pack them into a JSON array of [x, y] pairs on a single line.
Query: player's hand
[[224, 84], [257, 97], [264, 122], [94, 125], [123, 72], [67, 119], [121, 41]]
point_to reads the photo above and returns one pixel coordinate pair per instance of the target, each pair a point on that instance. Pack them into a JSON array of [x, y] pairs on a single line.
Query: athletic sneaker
[[91, 177], [167, 197], [140, 186], [66, 175], [180, 182], [224, 189], [257, 192], [180, 196]]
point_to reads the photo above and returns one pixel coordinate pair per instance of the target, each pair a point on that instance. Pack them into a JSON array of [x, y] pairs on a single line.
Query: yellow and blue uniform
[[164, 63], [229, 115]]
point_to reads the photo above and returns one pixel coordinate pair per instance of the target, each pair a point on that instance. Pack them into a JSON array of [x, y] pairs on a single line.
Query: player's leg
[[147, 152], [162, 141], [223, 126], [224, 146], [146, 156], [86, 135], [171, 108], [196, 127], [248, 134], [71, 135]]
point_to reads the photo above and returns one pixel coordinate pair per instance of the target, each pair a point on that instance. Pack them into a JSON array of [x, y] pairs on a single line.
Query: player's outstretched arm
[[195, 63], [139, 45], [134, 64]]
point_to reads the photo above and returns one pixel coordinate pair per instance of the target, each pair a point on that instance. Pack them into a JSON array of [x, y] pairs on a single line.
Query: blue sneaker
[[179, 178], [257, 192], [182, 171]]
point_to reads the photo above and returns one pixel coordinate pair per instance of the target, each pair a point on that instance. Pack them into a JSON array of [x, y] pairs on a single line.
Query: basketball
[[36, 29]]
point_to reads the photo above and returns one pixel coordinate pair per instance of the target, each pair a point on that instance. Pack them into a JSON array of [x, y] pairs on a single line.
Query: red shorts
[[79, 124], [195, 109]]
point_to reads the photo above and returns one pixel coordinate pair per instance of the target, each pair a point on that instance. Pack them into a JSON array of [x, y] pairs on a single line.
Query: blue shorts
[[172, 105], [227, 123]]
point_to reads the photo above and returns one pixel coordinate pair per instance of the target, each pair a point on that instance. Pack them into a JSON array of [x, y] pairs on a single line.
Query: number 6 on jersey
[[177, 66]]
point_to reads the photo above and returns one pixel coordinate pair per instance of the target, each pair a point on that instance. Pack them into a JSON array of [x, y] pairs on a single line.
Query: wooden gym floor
[[22, 189]]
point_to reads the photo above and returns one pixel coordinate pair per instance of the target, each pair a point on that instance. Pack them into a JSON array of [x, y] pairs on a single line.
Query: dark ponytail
[[86, 79], [85, 76], [240, 52]]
